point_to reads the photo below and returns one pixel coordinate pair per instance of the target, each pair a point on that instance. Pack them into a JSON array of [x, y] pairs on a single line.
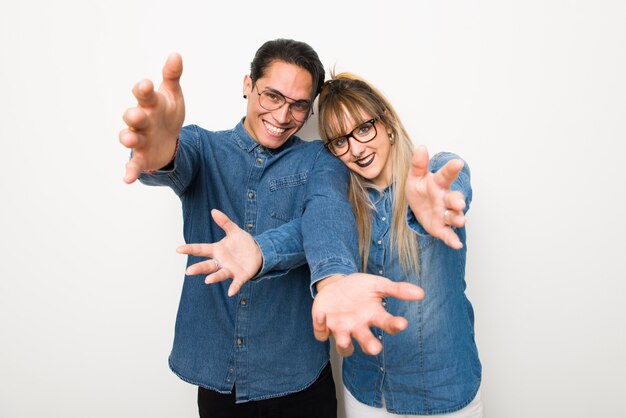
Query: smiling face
[[273, 128], [371, 160]]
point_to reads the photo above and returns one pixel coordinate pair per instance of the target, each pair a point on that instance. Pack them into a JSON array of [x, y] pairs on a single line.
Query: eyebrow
[[287, 97]]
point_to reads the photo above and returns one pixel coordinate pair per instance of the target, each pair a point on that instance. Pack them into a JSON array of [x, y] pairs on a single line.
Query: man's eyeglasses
[[363, 133], [272, 100]]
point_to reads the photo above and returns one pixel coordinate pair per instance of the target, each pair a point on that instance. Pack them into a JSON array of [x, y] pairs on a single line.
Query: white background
[[531, 93]]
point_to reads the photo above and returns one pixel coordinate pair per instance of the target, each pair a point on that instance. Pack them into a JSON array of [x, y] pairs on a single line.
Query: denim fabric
[[262, 338], [432, 367]]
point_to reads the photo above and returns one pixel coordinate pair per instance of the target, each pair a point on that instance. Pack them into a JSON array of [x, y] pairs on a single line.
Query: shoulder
[[313, 150], [311, 146]]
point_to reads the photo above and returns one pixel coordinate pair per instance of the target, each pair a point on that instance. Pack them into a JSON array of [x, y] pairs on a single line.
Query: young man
[[257, 351]]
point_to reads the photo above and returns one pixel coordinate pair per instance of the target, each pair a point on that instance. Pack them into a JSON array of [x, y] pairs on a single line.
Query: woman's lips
[[366, 161]]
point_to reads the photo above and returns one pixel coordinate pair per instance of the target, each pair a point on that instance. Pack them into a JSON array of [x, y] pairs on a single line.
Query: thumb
[[172, 71], [419, 162], [224, 221]]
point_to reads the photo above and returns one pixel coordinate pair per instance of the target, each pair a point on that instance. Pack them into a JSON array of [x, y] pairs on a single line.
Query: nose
[[282, 114], [356, 148]]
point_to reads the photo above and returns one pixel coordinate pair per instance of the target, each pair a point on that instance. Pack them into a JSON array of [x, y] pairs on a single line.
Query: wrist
[[170, 165], [326, 281]]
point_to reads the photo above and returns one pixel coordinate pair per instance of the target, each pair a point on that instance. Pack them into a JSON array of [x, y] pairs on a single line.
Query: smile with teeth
[[365, 161], [274, 130]]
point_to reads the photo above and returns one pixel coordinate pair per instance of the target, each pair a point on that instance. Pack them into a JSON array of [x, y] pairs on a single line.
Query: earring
[[245, 96], [392, 137]]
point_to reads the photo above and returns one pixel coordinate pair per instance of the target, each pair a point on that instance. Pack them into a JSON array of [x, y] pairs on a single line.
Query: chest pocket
[[287, 196]]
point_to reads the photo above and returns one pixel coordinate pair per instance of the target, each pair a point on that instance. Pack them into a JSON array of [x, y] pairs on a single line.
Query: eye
[[300, 106], [275, 98], [364, 129], [340, 142]]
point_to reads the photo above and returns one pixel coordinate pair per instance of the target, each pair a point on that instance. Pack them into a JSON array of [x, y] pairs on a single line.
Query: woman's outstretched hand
[[435, 206]]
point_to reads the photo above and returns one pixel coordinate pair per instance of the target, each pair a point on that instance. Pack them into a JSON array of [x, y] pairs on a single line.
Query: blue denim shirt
[[261, 340], [432, 367]]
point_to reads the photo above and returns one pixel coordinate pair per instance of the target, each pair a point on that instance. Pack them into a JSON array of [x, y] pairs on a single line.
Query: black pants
[[316, 401]]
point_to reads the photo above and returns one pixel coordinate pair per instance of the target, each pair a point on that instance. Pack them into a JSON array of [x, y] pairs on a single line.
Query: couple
[[294, 218]]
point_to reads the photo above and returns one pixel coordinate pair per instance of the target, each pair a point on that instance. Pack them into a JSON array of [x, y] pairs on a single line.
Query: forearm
[[328, 224], [282, 249]]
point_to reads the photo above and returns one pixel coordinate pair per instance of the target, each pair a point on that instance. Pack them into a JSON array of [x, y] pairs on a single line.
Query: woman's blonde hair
[[349, 94]]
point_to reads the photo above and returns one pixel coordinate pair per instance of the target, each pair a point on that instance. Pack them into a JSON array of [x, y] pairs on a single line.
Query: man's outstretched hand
[[235, 256], [154, 124]]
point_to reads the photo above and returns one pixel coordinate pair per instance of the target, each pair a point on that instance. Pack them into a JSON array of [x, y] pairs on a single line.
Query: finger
[[419, 162], [136, 118], [399, 290], [145, 94], [389, 323], [128, 138], [237, 283], [217, 276], [200, 250], [368, 342], [234, 287], [454, 218], [172, 71], [223, 221], [320, 328], [446, 175], [450, 238], [202, 267], [343, 343], [133, 171], [454, 200]]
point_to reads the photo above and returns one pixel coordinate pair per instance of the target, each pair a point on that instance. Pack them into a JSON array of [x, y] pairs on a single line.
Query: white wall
[[532, 93]]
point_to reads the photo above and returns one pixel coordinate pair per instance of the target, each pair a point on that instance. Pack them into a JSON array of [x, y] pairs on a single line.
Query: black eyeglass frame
[[285, 100], [347, 137]]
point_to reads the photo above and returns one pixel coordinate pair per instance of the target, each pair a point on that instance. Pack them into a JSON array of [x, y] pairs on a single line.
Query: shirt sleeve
[[329, 231], [282, 249]]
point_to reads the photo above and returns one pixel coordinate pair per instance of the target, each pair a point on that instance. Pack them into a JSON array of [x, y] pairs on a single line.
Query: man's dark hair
[[292, 52]]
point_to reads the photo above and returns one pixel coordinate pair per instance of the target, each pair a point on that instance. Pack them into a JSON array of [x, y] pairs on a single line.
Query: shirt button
[[379, 242], [380, 337], [239, 341], [380, 272], [383, 218], [384, 303], [250, 226], [231, 370], [259, 161], [382, 369], [250, 195], [244, 302]]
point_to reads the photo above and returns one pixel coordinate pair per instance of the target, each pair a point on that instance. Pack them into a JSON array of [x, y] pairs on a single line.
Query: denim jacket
[[432, 367], [261, 340]]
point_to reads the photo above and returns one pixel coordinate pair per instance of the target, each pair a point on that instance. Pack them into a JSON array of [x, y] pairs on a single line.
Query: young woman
[[411, 228], [410, 215]]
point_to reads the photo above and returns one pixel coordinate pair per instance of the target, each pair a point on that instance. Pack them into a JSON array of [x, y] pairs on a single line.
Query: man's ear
[[247, 85]]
